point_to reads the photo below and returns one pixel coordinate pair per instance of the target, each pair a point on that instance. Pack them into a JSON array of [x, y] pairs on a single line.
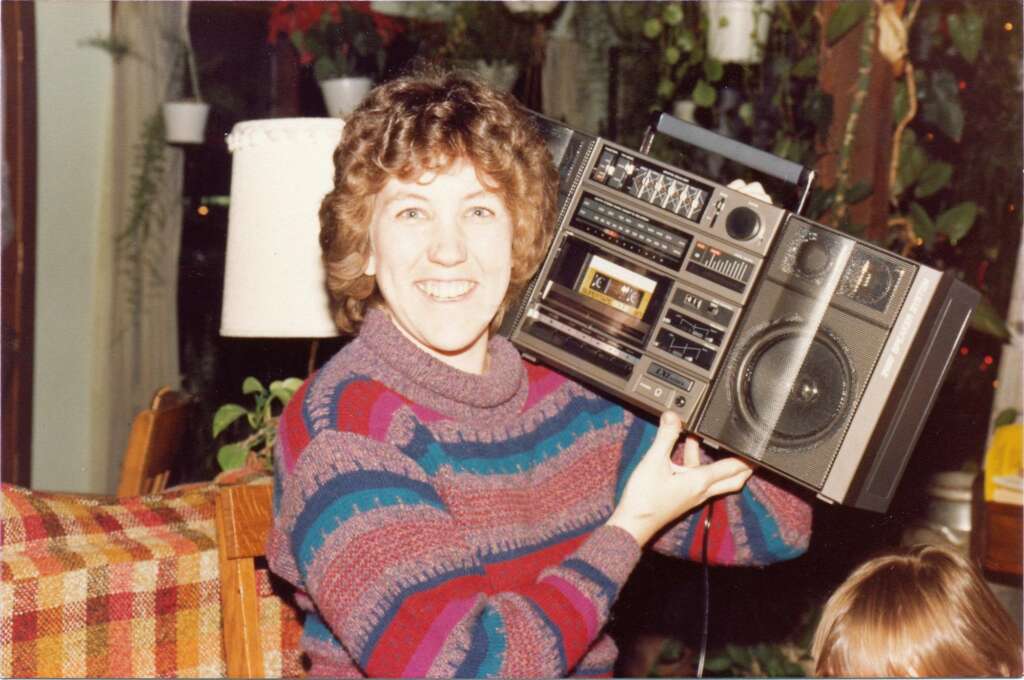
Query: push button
[[659, 393]]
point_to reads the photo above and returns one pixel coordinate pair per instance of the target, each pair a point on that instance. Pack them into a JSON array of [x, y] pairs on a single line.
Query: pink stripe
[[383, 409], [581, 602], [541, 388], [435, 638]]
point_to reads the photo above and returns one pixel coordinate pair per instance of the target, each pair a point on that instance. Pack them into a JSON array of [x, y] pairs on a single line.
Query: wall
[[75, 94]]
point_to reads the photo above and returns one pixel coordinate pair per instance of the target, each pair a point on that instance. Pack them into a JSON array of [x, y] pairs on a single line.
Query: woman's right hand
[[659, 491]]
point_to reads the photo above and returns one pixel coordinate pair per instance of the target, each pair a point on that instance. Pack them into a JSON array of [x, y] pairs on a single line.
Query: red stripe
[[405, 632], [358, 399], [293, 426], [561, 612], [408, 627], [697, 546], [526, 569]]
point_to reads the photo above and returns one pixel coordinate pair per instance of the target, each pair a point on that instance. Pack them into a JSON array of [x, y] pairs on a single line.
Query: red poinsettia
[[338, 38]]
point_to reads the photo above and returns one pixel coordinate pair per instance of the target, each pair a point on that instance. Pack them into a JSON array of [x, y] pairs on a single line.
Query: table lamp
[[273, 274]]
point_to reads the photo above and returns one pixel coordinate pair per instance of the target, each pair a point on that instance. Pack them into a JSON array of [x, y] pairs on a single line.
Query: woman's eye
[[410, 214], [481, 213]]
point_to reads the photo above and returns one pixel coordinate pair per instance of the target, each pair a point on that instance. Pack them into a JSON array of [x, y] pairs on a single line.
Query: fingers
[[723, 476], [730, 484], [691, 452], [668, 432]]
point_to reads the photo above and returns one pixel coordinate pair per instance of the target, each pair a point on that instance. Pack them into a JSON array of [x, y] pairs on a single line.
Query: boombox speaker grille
[[819, 397], [791, 383]]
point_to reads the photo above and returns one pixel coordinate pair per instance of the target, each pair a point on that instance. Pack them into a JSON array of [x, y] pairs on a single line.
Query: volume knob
[[743, 224]]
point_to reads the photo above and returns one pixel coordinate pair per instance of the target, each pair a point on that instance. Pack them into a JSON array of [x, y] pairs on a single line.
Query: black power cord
[[707, 592]]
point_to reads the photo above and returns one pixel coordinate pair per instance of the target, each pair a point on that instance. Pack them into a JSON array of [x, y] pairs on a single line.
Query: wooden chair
[[154, 440], [243, 515]]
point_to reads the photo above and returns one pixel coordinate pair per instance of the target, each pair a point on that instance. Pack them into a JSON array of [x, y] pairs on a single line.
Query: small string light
[[962, 85], [203, 210], [964, 351], [1008, 26], [987, 360]]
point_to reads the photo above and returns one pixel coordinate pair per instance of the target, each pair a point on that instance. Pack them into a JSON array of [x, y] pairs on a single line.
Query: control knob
[[743, 223]]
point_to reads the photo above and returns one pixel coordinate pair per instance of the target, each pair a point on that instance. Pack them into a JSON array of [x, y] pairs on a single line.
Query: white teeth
[[445, 290]]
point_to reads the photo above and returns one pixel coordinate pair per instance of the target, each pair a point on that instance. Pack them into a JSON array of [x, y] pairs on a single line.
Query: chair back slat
[[153, 444]]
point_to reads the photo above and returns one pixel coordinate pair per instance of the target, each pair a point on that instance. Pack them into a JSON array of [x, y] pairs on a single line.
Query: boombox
[[776, 338]]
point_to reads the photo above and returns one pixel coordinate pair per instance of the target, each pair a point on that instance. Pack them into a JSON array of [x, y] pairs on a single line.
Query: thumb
[[669, 430]]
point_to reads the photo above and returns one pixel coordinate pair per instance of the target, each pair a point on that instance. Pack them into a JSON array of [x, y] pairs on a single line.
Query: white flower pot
[[185, 122], [738, 29], [342, 95]]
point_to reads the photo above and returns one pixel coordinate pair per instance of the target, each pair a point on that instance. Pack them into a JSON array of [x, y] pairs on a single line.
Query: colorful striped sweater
[[438, 523]]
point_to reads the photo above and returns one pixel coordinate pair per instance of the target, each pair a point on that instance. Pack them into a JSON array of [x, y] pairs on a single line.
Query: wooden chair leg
[[240, 611]]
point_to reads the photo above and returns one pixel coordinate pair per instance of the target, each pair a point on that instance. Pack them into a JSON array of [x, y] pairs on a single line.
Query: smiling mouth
[[446, 291]]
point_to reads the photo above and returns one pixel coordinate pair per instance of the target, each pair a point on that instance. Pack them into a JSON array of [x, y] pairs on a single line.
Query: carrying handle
[[749, 156]]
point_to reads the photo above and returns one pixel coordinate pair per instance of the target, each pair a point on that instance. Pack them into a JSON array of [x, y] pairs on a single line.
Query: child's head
[[922, 611]]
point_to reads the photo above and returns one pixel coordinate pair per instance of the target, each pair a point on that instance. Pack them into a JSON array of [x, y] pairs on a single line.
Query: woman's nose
[[448, 245]]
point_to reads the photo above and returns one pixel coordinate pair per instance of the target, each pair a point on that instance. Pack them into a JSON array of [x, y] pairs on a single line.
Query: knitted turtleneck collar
[[498, 393]]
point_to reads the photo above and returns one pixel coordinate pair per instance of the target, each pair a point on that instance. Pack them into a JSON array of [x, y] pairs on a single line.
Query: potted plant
[[470, 41], [345, 42], [254, 452], [738, 30], [185, 118]]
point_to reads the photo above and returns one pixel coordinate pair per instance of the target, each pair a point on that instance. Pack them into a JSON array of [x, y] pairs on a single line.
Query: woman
[[918, 612], [443, 507]]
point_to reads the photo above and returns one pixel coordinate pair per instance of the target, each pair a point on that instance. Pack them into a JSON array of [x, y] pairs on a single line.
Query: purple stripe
[[579, 601], [435, 638]]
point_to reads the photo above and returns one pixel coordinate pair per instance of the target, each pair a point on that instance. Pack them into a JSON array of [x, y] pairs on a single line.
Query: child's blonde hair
[[922, 611]]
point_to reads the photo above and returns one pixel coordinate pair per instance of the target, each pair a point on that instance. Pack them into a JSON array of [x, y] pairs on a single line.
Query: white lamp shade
[[273, 274]]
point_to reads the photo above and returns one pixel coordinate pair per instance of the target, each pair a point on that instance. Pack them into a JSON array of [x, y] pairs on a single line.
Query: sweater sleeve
[[761, 524], [370, 539]]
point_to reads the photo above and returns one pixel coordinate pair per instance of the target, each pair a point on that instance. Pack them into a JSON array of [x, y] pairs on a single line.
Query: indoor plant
[[185, 117], [254, 451], [345, 42], [470, 42]]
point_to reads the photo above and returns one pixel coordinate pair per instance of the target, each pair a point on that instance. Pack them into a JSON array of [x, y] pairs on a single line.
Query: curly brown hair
[[427, 122]]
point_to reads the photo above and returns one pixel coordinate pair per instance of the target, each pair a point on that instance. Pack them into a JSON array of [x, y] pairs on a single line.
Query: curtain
[[145, 215]]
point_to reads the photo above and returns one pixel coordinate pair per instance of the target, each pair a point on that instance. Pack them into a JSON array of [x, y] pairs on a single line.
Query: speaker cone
[[794, 405]]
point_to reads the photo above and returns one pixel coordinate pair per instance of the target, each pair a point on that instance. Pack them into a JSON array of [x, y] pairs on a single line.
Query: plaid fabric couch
[[105, 587]]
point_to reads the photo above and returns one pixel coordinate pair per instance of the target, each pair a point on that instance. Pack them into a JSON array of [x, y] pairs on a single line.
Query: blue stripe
[[469, 668], [486, 648], [638, 439], [588, 571], [348, 493], [556, 632], [762, 530], [316, 629], [385, 620], [518, 454], [278, 493]]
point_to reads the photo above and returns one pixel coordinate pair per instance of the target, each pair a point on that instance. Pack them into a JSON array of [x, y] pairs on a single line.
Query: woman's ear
[[370, 269]]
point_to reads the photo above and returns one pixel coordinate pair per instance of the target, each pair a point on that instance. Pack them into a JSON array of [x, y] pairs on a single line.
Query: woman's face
[[441, 250]]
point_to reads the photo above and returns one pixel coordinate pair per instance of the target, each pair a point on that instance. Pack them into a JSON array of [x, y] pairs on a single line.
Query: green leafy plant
[[789, 657], [469, 35], [258, 445]]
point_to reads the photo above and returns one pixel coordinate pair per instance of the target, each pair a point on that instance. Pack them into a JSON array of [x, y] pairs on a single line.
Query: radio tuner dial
[[743, 223]]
